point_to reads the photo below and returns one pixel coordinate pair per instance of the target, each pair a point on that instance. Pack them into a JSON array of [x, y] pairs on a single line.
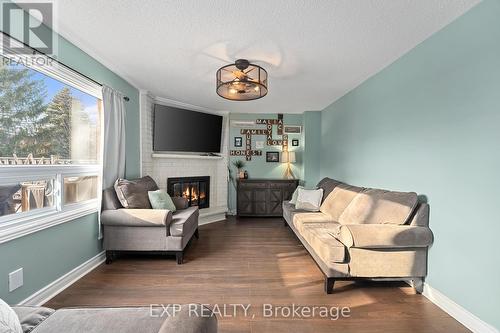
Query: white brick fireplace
[[163, 166]]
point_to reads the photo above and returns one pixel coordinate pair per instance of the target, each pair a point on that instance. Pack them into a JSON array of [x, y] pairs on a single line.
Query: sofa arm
[[180, 202], [137, 217], [381, 236], [191, 318]]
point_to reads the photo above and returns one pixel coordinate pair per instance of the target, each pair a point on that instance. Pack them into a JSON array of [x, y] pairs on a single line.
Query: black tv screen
[[182, 130]]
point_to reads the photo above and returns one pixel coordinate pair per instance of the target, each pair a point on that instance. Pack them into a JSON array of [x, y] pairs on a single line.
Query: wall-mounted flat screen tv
[[181, 130]]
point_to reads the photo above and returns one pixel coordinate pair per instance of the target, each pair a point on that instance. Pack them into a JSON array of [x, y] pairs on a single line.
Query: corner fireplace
[[195, 189]]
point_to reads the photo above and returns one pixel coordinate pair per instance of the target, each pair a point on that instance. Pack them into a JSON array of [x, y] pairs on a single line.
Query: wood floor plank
[[255, 261]]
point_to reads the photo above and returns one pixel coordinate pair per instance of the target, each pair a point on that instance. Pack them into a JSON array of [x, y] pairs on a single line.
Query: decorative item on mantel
[[288, 157]]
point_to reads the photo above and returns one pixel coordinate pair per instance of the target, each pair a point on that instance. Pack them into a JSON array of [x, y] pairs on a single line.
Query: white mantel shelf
[[186, 156]]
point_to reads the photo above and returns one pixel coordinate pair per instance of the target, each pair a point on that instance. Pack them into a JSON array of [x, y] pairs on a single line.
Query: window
[[50, 145]]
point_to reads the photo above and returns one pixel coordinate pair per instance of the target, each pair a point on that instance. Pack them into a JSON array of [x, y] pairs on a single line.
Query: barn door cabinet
[[263, 197]]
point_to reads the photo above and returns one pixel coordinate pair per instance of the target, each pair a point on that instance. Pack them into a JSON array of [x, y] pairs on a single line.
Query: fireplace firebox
[[195, 189]]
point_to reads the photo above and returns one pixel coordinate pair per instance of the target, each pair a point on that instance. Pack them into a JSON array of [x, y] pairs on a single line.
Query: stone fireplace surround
[[162, 166]]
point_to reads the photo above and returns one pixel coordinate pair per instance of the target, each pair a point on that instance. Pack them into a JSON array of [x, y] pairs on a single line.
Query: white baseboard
[[211, 218], [455, 310], [52, 289], [212, 214]]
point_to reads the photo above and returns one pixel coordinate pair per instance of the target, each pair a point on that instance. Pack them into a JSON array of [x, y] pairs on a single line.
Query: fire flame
[[195, 195]]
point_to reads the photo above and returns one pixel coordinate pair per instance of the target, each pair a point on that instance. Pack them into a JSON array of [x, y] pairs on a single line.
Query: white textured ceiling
[[314, 51]]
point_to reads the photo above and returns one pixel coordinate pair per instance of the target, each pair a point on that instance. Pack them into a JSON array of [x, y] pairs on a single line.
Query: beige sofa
[[365, 233]]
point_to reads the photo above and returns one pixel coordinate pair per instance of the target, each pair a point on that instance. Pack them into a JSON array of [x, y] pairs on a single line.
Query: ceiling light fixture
[[241, 81]]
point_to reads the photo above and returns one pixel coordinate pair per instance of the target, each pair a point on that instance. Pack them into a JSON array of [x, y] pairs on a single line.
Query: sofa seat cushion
[[98, 320], [301, 219], [338, 200], [184, 222], [32, 316], [289, 211], [320, 239], [374, 206]]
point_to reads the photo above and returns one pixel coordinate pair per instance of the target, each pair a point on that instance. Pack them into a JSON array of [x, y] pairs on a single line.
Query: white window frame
[[17, 225]]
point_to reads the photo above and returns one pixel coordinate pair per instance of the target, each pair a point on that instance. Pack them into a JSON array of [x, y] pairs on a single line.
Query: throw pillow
[[309, 200], [9, 322], [295, 194], [160, 199], [134, 193]]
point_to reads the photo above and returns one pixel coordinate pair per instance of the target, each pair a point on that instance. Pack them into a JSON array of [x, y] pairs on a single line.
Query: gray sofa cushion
[[100, 320], [32, 316], [327, 184], [184, 222], [180, 202], [339, 199], [110, 200], [375, 206], [328, 248], [130, 320], [134, 193]]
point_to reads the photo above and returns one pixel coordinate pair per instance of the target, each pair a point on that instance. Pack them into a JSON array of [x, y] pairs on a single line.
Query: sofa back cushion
[[338, 200], [372, 206], [110, 200], [328, 185], [134, 193]]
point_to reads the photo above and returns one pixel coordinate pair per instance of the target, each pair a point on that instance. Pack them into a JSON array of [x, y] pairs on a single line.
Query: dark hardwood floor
[[255, 261]]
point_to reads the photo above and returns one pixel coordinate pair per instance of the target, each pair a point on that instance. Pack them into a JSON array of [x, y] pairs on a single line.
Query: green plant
[[239, 164]]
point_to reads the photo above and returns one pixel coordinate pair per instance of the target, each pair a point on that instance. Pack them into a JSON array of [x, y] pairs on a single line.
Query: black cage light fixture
[[241, 81]]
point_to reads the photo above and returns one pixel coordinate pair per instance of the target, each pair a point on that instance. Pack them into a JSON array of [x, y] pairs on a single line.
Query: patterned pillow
[[134, 193], [9, 322]]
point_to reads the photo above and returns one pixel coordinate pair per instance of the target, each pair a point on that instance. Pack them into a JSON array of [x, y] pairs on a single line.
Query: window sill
[[38, 222]]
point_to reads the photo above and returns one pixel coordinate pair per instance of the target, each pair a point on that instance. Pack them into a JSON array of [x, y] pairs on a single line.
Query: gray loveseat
[[150, 230], [365, 233], [189, 318]]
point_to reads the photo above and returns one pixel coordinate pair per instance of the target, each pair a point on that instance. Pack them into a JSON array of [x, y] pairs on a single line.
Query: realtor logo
[[27, 22]]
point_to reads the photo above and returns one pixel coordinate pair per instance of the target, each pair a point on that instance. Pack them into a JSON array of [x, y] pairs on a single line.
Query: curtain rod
[[60, 63]]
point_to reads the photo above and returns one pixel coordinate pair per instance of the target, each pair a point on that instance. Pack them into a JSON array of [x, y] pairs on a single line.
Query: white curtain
[[114, 136], [114, 140]]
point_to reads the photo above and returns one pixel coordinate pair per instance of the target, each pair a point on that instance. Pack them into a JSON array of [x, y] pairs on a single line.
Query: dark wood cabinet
[[263, 197]]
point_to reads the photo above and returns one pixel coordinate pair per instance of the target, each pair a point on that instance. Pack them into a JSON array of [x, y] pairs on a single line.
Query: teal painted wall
[[49, 254], [312, 141], [258, 167], [430, 123]]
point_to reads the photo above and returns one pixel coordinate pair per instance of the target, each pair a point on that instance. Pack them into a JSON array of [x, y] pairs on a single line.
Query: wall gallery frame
[[238, 141], [295, 142], [273, 156], [292, 129]]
